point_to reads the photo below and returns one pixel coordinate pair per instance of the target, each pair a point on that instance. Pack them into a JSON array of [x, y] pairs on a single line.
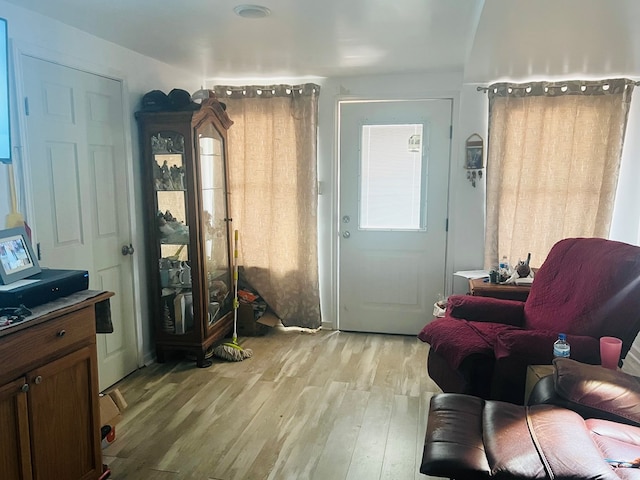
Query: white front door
[[394, 177], [78, 173]]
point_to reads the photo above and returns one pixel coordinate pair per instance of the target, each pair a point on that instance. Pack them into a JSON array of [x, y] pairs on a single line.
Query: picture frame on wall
[[474, 154]]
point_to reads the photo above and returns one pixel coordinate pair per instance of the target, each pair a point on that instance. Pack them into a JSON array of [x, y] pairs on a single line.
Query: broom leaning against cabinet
[[232, 351]]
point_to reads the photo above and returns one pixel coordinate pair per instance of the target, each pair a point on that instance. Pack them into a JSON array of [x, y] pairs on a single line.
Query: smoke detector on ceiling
[[252, 11]]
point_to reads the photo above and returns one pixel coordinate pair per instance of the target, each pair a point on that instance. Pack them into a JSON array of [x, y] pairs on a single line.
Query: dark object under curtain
[[273, 177], [586, 288]]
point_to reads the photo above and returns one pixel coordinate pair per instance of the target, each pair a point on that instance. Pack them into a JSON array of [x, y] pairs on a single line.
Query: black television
[[5, 128]]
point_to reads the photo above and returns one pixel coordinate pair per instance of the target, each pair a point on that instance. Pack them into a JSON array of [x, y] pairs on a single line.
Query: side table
[[480, 288]]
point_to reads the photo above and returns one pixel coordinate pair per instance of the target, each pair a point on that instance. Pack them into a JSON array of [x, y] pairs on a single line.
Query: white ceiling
[[485, 39], [519, 39]]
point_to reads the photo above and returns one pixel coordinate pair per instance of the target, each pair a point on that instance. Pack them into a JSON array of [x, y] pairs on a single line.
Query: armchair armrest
[[485, 309], [515, 349], [536, 347]]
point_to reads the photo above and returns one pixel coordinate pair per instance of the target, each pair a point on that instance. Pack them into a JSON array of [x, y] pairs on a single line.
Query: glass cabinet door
[[172, 233], [214, 219]]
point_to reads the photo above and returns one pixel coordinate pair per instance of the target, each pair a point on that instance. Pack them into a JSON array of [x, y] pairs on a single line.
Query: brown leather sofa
[[471, 438]]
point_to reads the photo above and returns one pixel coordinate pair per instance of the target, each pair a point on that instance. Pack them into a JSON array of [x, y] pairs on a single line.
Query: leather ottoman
[[471, 438]]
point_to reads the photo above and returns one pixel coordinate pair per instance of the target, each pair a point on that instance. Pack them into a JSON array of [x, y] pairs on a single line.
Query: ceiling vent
[[252, 11]]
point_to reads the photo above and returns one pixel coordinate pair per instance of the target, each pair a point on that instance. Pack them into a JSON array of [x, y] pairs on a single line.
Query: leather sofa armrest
[[614, 393], [591, 391], [485, 309], [626, 434], [544, 392]]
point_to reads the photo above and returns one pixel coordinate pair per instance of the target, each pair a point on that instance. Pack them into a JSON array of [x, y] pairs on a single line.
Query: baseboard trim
[[149, 358]]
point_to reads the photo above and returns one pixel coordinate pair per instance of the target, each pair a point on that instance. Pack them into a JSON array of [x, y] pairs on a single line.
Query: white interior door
[[77, 161], [394, 176]]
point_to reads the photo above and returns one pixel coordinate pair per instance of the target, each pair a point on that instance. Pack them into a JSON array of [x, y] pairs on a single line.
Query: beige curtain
[[554, 154], [273, 201]]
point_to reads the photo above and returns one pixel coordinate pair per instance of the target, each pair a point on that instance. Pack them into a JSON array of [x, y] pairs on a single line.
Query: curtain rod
[[592, 84]]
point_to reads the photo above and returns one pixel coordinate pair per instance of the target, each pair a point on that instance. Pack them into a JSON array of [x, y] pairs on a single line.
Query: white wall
[[625, 225], [626, 214], [467, 211], [42, 37]]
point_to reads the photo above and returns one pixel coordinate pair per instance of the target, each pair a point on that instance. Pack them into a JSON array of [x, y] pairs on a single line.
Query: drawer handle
[[38, 380], [61, 333]]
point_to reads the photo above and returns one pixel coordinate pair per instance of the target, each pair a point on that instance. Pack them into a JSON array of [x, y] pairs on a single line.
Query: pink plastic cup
[[610, 348]]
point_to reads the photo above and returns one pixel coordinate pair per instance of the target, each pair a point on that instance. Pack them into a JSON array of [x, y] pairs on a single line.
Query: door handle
[[127, 250]]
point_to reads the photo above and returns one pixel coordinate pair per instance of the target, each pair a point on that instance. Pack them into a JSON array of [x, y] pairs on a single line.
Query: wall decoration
[[474, 158], [475, 155]]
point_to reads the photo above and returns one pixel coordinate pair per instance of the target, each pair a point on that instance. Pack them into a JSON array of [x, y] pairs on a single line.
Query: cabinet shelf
[[166, 242]]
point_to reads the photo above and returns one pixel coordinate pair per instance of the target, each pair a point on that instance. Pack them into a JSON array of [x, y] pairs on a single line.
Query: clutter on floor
[[255, 318], [112, 404]]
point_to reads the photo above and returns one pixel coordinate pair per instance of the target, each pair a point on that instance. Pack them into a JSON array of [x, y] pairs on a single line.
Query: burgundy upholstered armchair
[[586, 288]]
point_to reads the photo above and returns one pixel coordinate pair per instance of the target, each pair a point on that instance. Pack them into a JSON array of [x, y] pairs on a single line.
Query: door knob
[[346, 234], [127, 250]]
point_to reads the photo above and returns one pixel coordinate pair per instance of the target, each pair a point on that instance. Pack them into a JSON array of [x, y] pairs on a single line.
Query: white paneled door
[[394, 176], [78, 173]]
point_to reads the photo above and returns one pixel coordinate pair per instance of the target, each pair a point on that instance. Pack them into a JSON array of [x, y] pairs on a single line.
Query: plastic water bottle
[[504, 269], [560, 347]]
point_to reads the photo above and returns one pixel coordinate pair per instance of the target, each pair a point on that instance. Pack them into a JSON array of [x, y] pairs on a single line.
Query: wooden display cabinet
[[184, 163]]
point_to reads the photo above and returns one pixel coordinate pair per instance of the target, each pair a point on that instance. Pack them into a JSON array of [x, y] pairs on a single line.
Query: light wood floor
[[327, 406]]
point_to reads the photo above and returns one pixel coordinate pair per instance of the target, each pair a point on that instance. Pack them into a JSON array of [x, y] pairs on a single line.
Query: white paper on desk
[[471, 274], [16, 284]]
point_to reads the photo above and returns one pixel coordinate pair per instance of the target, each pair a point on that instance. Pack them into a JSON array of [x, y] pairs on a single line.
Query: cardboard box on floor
[[248, 326], [111, 406]]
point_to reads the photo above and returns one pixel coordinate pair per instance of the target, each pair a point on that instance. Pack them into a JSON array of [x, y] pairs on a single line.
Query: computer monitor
[[17, 260]]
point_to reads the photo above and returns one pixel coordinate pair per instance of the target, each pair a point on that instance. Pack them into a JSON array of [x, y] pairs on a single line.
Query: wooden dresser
[[49, 408]]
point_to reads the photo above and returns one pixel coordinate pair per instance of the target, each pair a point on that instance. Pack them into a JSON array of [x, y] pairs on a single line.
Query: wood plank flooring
[[325, 406]]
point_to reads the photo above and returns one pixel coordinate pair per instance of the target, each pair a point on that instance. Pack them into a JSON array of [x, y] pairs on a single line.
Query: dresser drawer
[[42, 343]]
